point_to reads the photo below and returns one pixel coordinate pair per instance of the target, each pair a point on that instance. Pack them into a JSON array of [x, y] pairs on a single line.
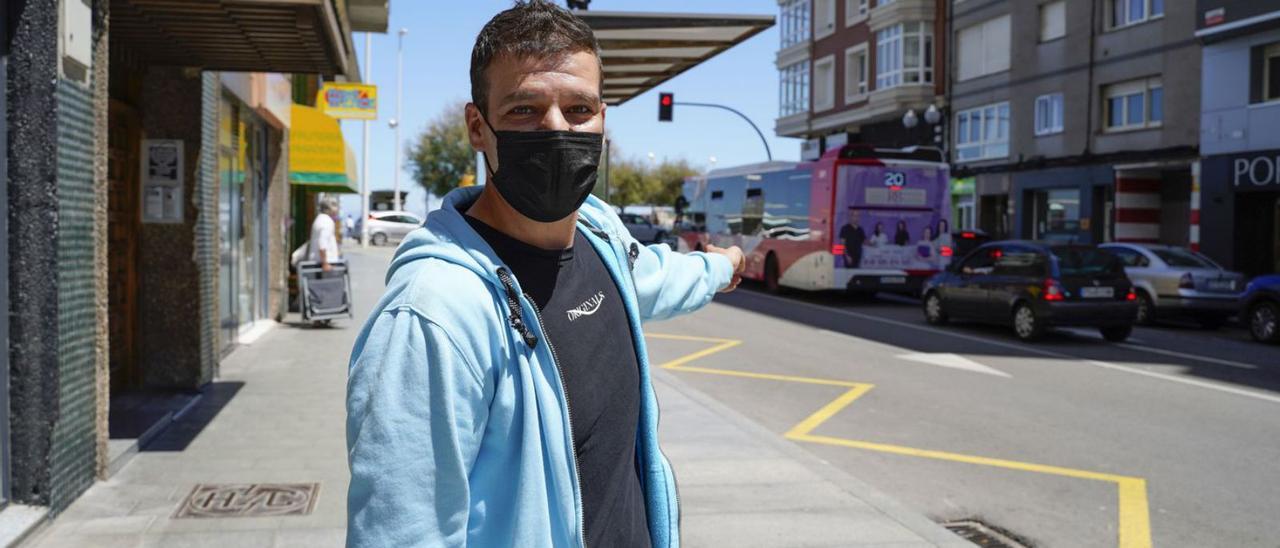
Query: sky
[[437, 55]]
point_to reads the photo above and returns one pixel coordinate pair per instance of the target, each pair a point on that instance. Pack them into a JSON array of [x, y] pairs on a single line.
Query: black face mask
[[546, 175]]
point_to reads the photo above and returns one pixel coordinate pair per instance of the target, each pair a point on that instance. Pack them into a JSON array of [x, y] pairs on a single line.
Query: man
[[323, 245], [853, 237], [500, 394]]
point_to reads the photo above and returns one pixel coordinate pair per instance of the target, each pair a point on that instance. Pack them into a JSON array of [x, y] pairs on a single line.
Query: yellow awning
[[319, 157]]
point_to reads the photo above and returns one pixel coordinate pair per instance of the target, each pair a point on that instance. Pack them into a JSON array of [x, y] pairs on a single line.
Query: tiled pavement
[[276, 412]]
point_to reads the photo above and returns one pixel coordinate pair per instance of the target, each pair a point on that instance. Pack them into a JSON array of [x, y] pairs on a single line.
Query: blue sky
[[437, 53]]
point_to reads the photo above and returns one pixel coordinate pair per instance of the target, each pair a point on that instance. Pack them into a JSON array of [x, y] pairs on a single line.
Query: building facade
[[1077, 119], [1239, 139], [849, 70], [148, 201]]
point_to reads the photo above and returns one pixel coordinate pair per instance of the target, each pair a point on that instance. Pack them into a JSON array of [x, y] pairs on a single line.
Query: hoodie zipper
[[514, 306]]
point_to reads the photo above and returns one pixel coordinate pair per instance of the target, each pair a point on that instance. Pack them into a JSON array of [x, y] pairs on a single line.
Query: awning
[[284, 36], [642, 50], [319, 157]]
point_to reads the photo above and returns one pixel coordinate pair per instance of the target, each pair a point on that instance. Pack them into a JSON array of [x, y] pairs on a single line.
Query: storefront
[[963, 204], [1065, 204], [1240, 210]]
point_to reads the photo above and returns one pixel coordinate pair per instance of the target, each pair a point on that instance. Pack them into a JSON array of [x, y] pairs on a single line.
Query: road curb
[[909, 518]]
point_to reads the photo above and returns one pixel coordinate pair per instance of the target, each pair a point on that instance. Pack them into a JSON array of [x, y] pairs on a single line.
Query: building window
[[1053, 20], [1131, 12], [982, 133], [904, 55], [824, 18], [856, 72], [1049, 114], [824, 83], [1135, 104], [1269, 59], [793, 97], [855, 11], [883, 3], [984, 48], [794, 23]]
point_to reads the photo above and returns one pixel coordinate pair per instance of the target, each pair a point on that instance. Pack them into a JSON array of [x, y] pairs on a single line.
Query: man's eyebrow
[[519, 95], [593, 98]]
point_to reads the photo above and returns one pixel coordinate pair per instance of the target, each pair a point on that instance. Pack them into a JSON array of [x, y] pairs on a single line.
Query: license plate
[[1222, 285], [895, 280], [1097, 292]]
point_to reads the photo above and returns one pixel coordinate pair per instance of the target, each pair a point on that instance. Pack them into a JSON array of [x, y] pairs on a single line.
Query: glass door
[[246, 221], [228, 228]]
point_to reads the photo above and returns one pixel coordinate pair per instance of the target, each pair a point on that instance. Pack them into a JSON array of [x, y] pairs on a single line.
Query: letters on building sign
[[1256, 171]]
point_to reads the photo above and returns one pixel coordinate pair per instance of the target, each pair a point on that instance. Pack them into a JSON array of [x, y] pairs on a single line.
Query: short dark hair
[[530, 28]]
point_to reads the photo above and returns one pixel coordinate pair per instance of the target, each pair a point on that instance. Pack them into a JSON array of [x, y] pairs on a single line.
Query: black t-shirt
[[583, 316], [853, 237]]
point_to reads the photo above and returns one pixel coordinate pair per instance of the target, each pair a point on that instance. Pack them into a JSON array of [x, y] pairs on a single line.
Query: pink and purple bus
[[859, 218]]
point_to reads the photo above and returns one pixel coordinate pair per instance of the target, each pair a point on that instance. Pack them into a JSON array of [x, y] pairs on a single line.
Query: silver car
[[1175, 281], [642, 229], [391, 226]]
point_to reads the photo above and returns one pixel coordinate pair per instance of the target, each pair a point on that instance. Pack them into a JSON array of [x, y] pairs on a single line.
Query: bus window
[[753, 211]]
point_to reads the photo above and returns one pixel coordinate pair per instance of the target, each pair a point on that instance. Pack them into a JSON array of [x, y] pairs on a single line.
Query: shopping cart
[[325, 296]]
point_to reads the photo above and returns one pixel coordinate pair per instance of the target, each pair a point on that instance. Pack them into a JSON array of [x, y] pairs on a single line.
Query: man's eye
[[581, 109], [522, 110]]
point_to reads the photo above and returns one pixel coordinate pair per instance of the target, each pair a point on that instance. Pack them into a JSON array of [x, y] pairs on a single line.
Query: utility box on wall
[[75, 41]]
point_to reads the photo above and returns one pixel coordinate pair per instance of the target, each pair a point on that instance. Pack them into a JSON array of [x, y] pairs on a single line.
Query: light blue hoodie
[[457, 425]]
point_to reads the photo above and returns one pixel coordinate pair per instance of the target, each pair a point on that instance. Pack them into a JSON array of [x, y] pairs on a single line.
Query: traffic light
[[666, 101]]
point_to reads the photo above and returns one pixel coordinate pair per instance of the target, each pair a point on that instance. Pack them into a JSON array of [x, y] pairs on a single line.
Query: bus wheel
[[698, 247], [771, 274]]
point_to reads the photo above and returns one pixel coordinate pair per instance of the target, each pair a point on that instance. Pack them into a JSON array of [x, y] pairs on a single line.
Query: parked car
[[1175, 281], [391, 226], [1034, 287], [1260, 308], [643, 229]]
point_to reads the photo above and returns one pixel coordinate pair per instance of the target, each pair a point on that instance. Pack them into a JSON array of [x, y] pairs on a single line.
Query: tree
[[634, 182], [442, 154]]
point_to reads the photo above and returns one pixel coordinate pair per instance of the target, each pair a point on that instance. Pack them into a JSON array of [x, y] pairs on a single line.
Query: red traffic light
[[666, 101]]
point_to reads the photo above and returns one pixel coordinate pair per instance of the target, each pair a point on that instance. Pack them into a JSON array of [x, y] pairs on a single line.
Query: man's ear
[[476, 128]]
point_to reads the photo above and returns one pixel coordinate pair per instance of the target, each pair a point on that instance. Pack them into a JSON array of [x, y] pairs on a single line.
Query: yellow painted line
[[1134, 519]]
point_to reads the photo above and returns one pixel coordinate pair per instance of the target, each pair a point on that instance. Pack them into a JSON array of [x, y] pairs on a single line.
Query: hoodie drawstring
[[513, 307]]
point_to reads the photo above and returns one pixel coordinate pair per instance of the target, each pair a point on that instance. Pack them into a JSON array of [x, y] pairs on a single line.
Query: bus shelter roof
[[641, 50]]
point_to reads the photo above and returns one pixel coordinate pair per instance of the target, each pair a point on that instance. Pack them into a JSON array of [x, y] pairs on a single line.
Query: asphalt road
[[1171, 439]]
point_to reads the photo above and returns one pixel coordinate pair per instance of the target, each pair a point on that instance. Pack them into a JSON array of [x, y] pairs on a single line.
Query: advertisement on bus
[[892, 218]]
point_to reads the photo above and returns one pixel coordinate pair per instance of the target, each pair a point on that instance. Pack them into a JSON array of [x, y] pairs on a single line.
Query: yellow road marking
[[1134, 519]]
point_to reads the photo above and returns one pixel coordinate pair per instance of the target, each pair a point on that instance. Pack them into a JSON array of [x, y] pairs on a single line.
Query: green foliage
[[633, 182], [442, 155]]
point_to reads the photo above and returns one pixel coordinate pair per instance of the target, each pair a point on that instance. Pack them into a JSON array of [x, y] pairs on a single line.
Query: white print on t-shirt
[[587, 308]]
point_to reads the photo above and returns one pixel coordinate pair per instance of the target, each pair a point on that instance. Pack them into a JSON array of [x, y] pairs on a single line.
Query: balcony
[[902, 11]]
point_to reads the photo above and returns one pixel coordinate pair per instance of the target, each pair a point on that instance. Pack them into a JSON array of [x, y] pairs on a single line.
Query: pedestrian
[[499, 395], [349, 226], [323, 245]]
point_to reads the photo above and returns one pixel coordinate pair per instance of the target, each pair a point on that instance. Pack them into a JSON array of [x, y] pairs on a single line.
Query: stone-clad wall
[[205, 239]]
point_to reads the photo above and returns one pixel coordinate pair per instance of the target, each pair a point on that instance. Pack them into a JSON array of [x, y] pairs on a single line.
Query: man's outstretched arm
[[415, 415]]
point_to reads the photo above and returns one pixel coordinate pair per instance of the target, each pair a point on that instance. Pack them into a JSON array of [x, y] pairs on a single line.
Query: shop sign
[[348, 101], [162, 178], [1257, 171], [962, 185]]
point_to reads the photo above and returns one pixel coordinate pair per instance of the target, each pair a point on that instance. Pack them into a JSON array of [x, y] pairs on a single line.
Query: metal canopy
[[642, 50], [286, 36]]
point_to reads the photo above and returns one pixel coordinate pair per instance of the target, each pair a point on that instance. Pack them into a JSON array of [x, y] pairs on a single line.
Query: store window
[[904, 55], [1053, 20], [793, 95], [855, 73], [824, 84], [793, 24], [982, 133], [1056, 214], [1049, 114], [983, 48], [1123, 13], [1136, 104]]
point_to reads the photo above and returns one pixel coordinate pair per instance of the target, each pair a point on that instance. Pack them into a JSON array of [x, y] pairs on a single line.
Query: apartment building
[[1240, 133], [1077, 119], [849, 70]]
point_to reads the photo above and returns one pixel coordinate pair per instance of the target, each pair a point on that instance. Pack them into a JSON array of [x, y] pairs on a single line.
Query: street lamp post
[[933, 117], [395, 122]]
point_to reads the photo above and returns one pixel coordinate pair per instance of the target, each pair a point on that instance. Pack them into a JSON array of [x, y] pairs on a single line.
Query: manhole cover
[[984, 535], [249, 500]]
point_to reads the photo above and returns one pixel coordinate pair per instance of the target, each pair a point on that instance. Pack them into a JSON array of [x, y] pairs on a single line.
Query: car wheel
[[378, 238], [1026, 324], [659, 238], [771, 283], [1264, 322], [1117, 333], [1146, 309], [934, 313]]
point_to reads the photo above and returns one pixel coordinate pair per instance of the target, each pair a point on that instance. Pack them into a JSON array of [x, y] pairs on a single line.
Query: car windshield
[[1180, 258], [1086, 261]]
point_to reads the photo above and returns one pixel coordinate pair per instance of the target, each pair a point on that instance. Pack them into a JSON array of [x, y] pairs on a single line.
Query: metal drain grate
[[984, 535], [249, 500]]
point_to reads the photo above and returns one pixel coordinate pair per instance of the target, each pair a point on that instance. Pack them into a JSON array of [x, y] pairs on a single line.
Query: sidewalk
[[276, 415]]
